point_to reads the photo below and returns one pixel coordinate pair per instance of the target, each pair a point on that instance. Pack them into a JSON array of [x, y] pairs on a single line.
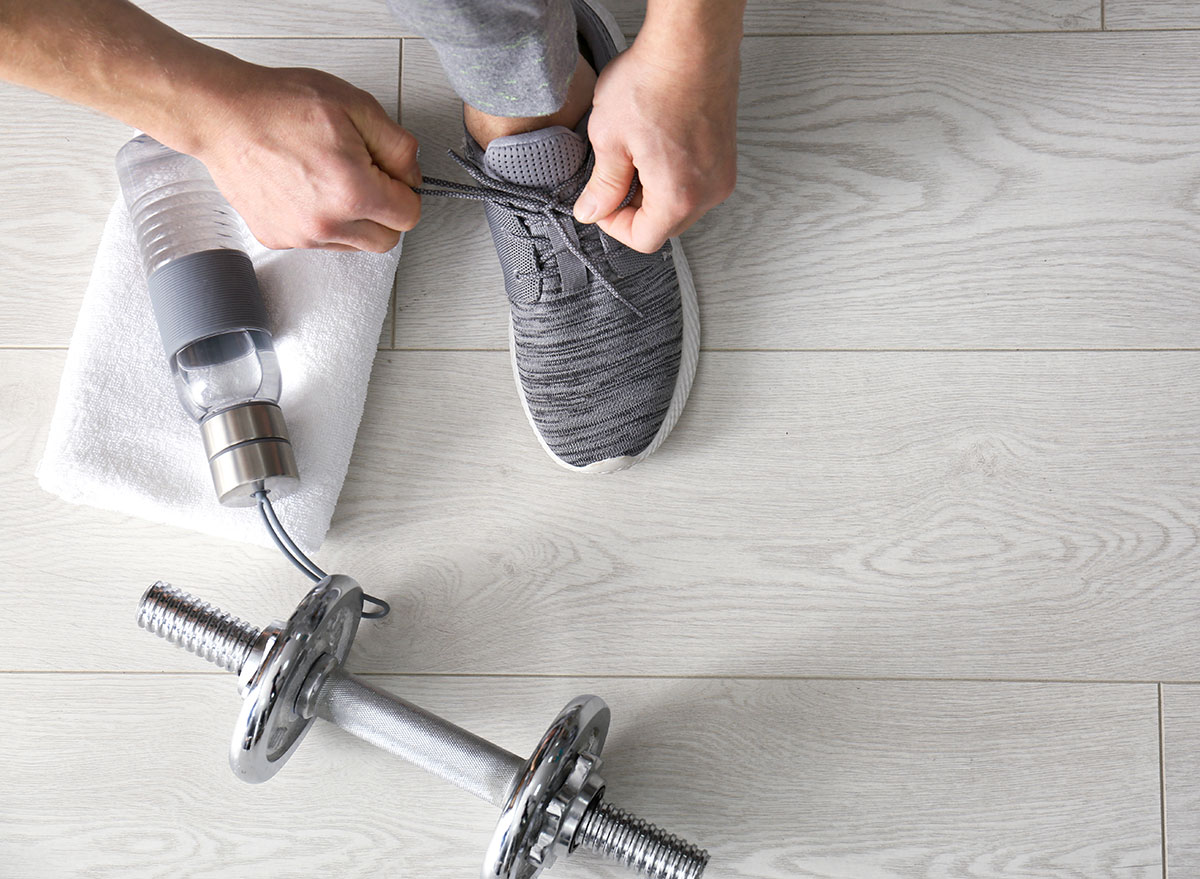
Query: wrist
[[187, 105]]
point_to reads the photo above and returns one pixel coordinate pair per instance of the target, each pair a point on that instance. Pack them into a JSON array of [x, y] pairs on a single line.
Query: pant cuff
[[525, 76]]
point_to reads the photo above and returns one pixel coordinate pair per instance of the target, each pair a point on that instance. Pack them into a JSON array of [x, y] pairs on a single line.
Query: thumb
[[611, 178]]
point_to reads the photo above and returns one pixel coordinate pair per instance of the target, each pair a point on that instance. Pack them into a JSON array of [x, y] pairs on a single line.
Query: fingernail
[[585, 209]]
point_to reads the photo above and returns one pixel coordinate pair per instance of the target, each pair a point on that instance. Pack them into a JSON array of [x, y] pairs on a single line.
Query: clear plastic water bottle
[[211, 318]]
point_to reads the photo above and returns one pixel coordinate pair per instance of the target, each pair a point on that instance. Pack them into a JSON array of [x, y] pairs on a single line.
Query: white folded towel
[[120, 439]]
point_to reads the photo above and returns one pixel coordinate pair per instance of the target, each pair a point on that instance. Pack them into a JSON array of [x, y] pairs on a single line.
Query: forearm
[[708, 31], [113, 57]]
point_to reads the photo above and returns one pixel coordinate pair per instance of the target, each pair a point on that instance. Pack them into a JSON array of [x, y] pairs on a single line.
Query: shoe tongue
[[544, 158]]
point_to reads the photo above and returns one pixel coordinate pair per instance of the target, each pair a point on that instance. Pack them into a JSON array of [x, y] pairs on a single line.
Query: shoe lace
[[528, 203]]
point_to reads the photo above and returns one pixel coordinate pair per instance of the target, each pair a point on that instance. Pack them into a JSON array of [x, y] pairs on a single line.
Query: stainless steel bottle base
[[248, 450]]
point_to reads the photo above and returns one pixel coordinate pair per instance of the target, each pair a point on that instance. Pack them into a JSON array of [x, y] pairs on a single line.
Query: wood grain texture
[[306, 18], [1181, 776], [56, 172], [905, 192], [817, 518], [449, 288], [106, 776], [263, 18], [1147, 14], [896, 16], [876, 515], [898, 192]]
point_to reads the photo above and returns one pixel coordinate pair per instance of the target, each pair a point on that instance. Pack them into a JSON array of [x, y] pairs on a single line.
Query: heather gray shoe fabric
[[604, 339]]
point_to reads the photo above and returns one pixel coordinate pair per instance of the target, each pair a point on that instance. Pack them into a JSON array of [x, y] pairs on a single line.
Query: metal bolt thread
[[639, 845], [196, 626]]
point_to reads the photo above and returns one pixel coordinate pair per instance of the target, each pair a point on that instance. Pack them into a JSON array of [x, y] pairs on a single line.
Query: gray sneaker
[[604, 339]]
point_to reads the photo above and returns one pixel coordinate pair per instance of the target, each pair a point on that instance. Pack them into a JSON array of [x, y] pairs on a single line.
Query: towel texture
[[120, 439]]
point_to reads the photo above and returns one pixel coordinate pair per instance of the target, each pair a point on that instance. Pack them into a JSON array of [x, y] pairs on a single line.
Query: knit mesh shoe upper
[[596, 340]]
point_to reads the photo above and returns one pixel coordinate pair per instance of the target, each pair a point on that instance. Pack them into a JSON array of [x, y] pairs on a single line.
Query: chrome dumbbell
[[290, 674]]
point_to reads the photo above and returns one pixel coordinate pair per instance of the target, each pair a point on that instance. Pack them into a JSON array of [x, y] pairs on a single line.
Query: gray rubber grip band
[[205, 294]]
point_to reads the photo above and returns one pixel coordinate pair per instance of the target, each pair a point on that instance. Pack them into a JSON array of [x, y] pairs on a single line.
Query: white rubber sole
[[689, 355]]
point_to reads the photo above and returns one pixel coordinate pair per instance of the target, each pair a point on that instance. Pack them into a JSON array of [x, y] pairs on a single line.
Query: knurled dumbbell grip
[[423, 739]]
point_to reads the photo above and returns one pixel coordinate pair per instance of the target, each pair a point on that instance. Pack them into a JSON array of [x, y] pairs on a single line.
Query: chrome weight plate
[[269, 729]]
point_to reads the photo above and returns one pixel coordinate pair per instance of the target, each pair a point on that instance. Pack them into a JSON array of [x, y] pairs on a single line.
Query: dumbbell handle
[[418, 736]]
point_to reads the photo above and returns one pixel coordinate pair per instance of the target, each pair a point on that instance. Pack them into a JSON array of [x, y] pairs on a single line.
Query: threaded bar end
[[196, 626], [639, 845]]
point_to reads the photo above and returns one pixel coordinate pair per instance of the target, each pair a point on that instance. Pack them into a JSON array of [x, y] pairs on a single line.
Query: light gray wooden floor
[[910, 592]]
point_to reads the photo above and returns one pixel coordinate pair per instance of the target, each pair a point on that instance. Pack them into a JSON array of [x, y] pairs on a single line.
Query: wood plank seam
[[313, 37], [1162, 776], [399, 116], [619, 676], [748, 35], [445, 350]]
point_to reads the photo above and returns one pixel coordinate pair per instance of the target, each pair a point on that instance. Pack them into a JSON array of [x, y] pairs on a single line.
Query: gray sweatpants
[[504, 57]]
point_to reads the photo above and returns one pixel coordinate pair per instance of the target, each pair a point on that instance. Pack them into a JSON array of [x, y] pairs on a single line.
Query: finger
[[644, 228], [365, 235], [611, 178], [648, 231], [619, 224], [634, 228], [392, 148], [392, 203], [270, 241]]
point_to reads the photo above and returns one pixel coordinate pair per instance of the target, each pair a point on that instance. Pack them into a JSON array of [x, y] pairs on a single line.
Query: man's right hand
[[306, 158], [310, 161]]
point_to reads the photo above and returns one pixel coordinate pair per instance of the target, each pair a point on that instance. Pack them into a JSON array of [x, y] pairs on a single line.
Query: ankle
[[485, 128]]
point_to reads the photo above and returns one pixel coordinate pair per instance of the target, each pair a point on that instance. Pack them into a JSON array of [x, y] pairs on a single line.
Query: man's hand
[[306, 158], [666, 108], [309, 160]]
